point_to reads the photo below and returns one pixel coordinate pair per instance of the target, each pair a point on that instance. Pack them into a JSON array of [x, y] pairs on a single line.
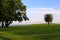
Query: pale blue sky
[[42, 3]]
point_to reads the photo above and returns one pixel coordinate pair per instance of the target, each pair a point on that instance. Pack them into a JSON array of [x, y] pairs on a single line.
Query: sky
[[42, 3], [36, 9]]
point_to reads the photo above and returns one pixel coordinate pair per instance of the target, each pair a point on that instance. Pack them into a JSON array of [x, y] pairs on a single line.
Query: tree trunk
[[2, 24], [7, 23], [48, 23]]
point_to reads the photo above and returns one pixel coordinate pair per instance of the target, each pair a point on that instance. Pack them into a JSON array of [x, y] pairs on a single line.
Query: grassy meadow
[[31, 32]]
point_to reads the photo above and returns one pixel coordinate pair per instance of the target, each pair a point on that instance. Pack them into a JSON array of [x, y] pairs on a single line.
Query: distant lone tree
[[48, 18]]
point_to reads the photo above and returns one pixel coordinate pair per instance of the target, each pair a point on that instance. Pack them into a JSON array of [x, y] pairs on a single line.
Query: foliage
[[48, 18], [8, 12]]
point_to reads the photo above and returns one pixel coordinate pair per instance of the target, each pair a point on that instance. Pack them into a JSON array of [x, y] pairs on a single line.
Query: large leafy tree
[[12, 10], [48, 18]]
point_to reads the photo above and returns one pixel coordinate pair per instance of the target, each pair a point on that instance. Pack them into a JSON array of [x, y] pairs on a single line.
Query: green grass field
[[31, 32]]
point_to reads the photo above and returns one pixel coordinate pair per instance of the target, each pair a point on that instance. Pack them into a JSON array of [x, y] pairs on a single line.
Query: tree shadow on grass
[[4, 38], [30, 33], [47, 37]]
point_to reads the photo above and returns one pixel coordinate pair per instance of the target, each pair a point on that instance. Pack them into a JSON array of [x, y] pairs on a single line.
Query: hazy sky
[[36, 9]]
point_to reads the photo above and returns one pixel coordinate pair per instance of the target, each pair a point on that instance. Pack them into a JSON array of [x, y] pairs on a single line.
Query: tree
[[8, 12], [48, 18]]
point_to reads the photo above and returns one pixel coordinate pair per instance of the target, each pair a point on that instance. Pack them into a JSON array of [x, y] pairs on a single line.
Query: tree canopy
[[8, 12], [48, 18]]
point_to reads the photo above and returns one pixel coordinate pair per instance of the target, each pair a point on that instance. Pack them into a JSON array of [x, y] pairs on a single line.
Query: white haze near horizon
[[36, 16]]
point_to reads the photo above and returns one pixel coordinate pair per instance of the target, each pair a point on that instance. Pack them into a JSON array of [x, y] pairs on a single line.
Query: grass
[[31, 32]]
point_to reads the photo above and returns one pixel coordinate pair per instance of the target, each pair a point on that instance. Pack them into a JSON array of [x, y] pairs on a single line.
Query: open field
[[31, 32]]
